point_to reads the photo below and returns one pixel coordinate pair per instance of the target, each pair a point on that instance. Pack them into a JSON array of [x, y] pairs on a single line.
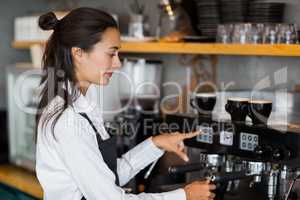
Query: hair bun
[[48, 21]]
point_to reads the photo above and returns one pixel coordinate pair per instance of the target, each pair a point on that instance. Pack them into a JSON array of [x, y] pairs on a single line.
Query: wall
[[8, 11]]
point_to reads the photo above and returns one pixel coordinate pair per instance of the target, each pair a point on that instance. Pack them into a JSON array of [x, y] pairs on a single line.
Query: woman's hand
[[173, 142], [200, 190]]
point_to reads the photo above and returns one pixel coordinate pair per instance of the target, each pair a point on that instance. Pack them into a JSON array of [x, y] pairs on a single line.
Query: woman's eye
[[112, 54]]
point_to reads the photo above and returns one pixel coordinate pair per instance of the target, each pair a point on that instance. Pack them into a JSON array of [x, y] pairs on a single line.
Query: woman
[[76, 158]]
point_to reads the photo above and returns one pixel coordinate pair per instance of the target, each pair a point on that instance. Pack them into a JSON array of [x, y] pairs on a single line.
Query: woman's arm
[[137, 159], [149, 151]]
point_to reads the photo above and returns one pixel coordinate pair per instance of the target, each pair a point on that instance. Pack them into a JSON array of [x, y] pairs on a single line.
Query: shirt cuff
[[157, 152], [143, 154], [178, 194]]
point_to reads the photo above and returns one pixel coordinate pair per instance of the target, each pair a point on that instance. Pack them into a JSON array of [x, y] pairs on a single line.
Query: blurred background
[[226, 22]]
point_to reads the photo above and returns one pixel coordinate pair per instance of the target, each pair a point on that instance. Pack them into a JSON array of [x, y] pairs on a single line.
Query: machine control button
[[258, 150], [250, 140], [206, 136], [255, 138], [281, 154], [226, 138], [265, 152], [244, 145], [277, 154], [210, 139], [249, 146]]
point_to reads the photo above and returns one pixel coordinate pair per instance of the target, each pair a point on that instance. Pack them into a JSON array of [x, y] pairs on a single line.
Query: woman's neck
[[83, 88]]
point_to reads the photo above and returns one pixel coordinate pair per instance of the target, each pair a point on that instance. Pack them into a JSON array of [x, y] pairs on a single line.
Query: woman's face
[[97, 66]]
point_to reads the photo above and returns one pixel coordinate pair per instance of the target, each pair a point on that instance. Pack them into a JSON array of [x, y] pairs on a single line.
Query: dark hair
[[83, 28]]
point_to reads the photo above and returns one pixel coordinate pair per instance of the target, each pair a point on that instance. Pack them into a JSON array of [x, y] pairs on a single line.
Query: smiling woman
[[76, 157], [97, 65], [75, 55]]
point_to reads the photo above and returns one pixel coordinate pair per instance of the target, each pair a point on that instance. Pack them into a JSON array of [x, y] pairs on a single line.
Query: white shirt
[[70, 165]]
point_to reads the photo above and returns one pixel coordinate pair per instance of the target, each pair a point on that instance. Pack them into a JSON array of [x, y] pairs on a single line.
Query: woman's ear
[[77, 54]]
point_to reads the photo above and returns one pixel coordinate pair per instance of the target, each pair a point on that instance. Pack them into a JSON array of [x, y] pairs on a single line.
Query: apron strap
[[90, 122], [99, 139]]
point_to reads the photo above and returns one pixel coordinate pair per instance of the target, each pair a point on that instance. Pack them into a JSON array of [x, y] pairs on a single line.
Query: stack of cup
[[258, 110]]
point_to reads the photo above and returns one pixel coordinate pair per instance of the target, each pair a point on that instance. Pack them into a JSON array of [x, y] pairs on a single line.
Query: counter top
[[20, 179]]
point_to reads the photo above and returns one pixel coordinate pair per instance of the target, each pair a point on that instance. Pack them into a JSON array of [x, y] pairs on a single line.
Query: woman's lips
[[108, 74]]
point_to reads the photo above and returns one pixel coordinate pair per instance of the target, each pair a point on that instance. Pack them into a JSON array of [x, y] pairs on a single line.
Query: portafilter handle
[[229, 176], [181, 169]]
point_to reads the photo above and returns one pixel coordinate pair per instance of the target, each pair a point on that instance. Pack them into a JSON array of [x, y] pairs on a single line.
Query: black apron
[[108, 149]]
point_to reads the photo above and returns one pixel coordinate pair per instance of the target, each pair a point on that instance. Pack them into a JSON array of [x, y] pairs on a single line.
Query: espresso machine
[[246, 159]]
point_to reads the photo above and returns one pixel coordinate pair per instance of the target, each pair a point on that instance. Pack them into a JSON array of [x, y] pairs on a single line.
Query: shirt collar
[[87, 103]]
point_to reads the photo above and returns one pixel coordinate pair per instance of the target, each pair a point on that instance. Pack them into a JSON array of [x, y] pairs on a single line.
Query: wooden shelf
[[197, 48], [26, 44], [20, 179]]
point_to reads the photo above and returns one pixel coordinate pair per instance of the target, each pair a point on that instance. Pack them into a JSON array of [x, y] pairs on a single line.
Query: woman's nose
[[117, 63]]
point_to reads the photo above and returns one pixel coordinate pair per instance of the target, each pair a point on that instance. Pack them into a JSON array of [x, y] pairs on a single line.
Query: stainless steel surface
[[214, 160], [256, 168], [272, 184], [140, 83]]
